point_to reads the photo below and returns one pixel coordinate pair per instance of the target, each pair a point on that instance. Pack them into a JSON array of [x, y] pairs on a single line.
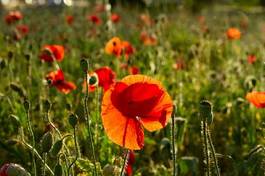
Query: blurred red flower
[[233, 34], [134, 70], [94, 19], [127, 49], [56, 79], [256, 98], [251, 59], [22, 29], [50, 53], [115, 18], [148, 39], [13, 16], [135, 102], [69, 19]]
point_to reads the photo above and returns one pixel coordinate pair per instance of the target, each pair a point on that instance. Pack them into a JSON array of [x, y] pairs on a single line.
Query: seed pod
[[73, 119], [180, 129], [13, 170], [206, 111], [58, 170], [46, 105], [46, 142], [56, 148], [84, 65]]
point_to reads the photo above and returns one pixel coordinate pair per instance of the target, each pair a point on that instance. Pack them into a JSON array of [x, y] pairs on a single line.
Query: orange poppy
[[49, 53], [115, 18], [13, 16], [127, 49], [103, 77], [233, 34], [148, 39], [69, 19], [134, 103], [56, 79], [94, 19], [114, 46], [256, 98]]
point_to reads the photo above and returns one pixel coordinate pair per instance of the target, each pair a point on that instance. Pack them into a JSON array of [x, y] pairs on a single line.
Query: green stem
[[44, 163], [206, 150], [88, 126], [33, 143], [76, 152], [124, 165], [173, 141], [213, 152]]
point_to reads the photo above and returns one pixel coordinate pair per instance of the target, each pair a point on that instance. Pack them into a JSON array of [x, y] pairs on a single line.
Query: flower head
[[148, 39], [115, 18], [127, 49], [22, 29], [13, 16], [69, 19], [56, 79], [94, 19], [114, 46], [256, 98], [251, 59], [49, 53], [134, 103], [233, 34], [133, 70]]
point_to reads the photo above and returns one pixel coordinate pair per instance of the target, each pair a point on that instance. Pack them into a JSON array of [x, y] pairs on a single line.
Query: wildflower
[[127, 49], [13, 169], [22, 29], [179, 65], [134, 103], [94, 19], [13, 16], [256, 98], [114, 46], [69, 19], [56, 79], [115, 18], [251, 58], [49, 53], [233, 34], [103, 77], [134, 70], [148, 39]]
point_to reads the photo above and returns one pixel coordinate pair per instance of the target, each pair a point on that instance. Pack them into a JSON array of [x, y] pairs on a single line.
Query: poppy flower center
[[93, 80]]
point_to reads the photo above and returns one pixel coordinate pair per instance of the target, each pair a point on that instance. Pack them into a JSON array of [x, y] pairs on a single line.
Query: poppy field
[[126, 90]]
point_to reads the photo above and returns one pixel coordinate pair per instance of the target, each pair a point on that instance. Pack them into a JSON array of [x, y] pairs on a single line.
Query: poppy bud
[[206, 111], [26, 105], [56, 148], [250, 83], [46, 105], [58, 170], [180, 123], [46, 142], [15, 119], [27, 56], [13, 170], [17, 88], [73, 119], [84, 65], [2, 63], [110, 170]]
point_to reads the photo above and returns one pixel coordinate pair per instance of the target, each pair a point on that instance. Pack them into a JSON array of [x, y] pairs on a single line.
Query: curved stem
[[44, 163], [213, 153], [206, 150], [76, 152], [124, 165]]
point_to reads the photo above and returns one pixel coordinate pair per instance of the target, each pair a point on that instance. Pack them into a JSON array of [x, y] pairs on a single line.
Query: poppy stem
[[44, 163], [124, 165], [205, 147], [88, 125], [213, 152], [173, 141], [76, 152]]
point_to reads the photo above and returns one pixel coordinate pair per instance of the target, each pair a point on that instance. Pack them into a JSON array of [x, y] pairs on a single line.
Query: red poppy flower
[[22, 29], [114, 46], [134, 70], [13, 16], [134, 103], [148, 39], [49, 53], [69, 19], [257, 99], [56, 78], [251, 59], [3, 170], [115, 18], [94, 19], [103, 77], [127, 49], [233, 34], [12, 169]]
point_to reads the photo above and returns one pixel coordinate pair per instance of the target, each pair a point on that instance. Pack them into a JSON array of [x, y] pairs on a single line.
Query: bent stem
[[33, 142], [88, 125], [76, 152], [124, 165]]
